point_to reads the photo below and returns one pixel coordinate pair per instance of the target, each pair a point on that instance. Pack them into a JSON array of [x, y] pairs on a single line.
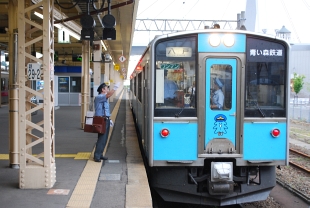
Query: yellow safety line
[[4, 156], [83, 192], [78, 156]]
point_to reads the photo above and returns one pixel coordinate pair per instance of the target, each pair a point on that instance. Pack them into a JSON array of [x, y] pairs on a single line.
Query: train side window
[[175, 75], [139, 97], [265, 89]]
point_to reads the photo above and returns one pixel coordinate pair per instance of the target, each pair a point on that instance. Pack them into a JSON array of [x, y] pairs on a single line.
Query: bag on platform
[[95, 124]]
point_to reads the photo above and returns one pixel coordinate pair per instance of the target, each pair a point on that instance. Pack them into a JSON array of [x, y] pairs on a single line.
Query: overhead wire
[[290, 19], [225, 10], [164, 9], [191, 8], [147, 8], [307, 5]]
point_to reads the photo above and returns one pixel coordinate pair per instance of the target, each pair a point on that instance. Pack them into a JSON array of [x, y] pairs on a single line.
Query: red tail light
[[275, 132], [164, 133]]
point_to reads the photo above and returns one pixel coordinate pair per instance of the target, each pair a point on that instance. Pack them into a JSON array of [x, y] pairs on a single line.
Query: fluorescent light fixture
[[73, 34], [102, 43], [38, 14], [62, 27], [70, 32], [59, 26]]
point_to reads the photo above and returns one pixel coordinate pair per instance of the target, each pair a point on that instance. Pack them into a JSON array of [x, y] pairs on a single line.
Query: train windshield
[[265, 79], [265, 91], [175, 77]]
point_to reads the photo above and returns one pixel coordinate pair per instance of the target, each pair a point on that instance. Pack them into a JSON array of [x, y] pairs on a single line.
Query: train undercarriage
[[193, 185]]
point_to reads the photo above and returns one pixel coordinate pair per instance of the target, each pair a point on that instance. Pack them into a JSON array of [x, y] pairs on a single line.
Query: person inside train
[[102, 108], [217, 99], [170, 88]]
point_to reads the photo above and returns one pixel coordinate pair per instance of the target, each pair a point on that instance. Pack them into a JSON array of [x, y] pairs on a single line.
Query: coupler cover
[[220, 188]]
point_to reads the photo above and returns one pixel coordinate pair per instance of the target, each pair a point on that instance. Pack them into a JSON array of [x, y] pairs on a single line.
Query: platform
[[120, 181]]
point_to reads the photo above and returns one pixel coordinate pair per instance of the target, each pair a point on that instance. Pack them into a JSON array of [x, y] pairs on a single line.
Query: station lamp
[[88, 23], [109, 22]]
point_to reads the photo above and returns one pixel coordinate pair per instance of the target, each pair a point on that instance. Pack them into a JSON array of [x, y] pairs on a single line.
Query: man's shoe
[[104, 158], [97, 160]]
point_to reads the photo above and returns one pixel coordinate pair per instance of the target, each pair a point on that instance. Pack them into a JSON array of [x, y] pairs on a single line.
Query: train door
[[145, 107], [220, 129]]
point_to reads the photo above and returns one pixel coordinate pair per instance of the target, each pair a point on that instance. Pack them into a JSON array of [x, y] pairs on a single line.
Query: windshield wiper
[[259, 109], [179, 113], [257, 106]]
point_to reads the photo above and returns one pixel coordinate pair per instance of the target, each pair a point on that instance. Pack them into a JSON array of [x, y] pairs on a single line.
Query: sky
[[271, 16]]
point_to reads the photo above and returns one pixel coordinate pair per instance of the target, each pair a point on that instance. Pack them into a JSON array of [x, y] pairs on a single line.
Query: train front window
[[265, 90], [265, 78], [175, 84]]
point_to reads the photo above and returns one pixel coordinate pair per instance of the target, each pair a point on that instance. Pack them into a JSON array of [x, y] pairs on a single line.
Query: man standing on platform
[[102, 108]]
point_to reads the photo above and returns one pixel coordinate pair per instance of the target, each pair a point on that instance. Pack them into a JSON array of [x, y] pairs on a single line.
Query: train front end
[[214, 108]]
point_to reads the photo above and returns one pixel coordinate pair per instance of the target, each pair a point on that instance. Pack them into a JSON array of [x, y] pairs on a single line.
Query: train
[[4, 87], [211, 111]]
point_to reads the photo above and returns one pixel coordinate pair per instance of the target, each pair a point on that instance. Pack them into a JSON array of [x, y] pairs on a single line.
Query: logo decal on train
[[220, 125]]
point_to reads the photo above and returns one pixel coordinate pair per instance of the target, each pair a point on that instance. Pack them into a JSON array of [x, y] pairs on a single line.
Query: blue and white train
[[216, 133]]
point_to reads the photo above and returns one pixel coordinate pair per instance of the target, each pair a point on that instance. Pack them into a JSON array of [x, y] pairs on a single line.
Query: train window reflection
[[175, 87], [265, 89], [3, 84]]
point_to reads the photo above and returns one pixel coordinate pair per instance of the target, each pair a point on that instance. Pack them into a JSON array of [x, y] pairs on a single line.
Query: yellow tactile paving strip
[[78, 156], [137, 189], [82, 155], [83, 192]]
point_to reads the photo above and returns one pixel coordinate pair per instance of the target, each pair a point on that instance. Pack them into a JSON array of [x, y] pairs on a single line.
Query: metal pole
[[242, 20], [238, 21], [294, 104], [13, 106], [85, 81]]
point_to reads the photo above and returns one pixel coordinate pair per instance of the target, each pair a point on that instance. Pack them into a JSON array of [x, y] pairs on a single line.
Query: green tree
[[298, 82]]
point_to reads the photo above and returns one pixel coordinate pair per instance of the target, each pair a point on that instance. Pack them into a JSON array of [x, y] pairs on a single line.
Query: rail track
[[300, 154]]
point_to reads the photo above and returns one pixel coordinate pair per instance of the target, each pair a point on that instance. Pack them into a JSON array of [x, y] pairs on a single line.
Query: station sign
[[122, 58], [34, 71], [116, 67], [178, 52]]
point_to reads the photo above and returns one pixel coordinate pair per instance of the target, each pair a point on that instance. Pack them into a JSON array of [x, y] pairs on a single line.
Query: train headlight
[[214, 40], [275, 133], [164, 133], [229, 40], [221, 171]]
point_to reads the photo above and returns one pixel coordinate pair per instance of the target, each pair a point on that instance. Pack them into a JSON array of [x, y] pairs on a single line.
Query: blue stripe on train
[[181, 144]]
